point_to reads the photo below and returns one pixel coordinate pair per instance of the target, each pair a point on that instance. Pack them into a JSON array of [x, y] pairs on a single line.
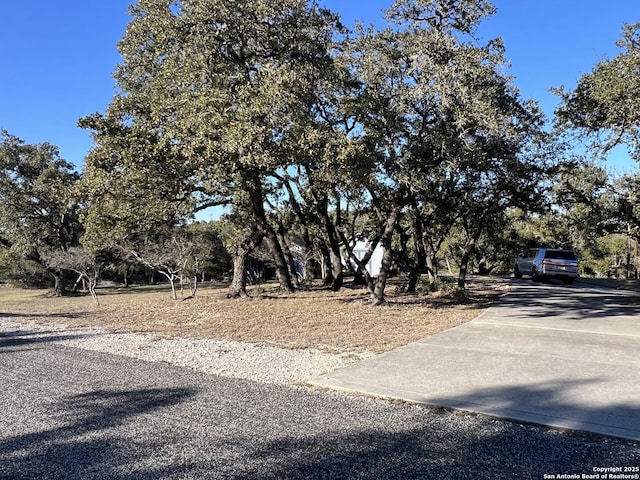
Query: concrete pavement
[[566, 357]]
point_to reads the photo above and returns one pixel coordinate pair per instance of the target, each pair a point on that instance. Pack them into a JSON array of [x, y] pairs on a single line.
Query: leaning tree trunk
[[383, 276], [387, 257], [362, 275], [282, 267], [253, 187], [291, 263], [93, 282], [333, 244]]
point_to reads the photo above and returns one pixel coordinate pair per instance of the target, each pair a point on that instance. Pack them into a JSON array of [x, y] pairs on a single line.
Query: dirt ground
[[315, 318]]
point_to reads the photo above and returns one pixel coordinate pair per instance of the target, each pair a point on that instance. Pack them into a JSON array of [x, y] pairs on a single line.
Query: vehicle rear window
[[560, 254]]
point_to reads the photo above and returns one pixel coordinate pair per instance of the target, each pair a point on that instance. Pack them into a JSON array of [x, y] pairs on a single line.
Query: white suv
[[545, 263]]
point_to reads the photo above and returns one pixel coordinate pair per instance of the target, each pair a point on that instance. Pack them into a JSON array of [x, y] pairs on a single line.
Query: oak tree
[[39, 210]]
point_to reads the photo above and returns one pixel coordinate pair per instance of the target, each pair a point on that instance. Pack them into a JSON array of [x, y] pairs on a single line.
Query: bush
[[595, 268], [444, 285], [25, 274]]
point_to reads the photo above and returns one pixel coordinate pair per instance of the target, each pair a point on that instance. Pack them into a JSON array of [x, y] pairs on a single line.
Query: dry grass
[[332, 321]]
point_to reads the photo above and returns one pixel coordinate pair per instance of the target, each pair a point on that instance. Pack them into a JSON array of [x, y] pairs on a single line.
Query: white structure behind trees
[[375, 262]]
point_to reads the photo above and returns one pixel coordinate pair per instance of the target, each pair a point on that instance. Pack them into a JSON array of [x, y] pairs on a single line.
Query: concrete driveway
[[566, 357]]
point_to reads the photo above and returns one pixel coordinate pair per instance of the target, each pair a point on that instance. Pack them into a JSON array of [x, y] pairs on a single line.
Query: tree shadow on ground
[[367, 440], [46, 316], [10, 341], [451, 448], [170, 423], [557, 404], [81, 445], [576, 302]]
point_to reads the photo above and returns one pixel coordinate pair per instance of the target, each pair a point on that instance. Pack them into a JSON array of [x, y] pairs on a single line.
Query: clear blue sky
[[57, 57]]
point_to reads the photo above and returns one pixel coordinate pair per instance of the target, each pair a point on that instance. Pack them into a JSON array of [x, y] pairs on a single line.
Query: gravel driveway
[[73, 412]]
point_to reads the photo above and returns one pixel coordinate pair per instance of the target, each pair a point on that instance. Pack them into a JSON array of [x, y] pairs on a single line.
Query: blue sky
[[57, 57]]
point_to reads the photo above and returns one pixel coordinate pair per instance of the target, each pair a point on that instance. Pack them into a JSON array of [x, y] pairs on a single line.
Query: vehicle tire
[[568, 281], [534, 275], [516, 272]]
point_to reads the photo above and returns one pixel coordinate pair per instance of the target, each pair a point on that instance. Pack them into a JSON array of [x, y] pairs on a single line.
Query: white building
[[375, 262]]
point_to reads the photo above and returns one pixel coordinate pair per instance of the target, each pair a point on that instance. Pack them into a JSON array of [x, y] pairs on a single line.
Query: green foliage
[[411, 135], [607, 257], [25, 273], [132, 185], [216, 261], [444, 285], [626, 215], [39, 206], [454, 144], [607, 100], [214, 98]]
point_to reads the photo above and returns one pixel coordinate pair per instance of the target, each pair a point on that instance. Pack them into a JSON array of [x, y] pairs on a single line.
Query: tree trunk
[[125, 277], [172, 281], [311, 265], [327, 275], [238, 287], [93, 282], [387, 257], [253, 187], [59, 282], [282, 267], [464, 265], [420, 255], [363, 276], [431, 260], [466, 256], [336, 269], [291, 263], [333, 244], [383, 276]]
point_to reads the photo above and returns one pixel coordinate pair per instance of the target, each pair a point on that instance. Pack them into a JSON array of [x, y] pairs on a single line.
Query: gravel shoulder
[[72, 413], [228, 358]]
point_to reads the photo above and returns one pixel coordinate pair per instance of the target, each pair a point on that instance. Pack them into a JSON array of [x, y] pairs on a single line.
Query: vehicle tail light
[[556, 264]]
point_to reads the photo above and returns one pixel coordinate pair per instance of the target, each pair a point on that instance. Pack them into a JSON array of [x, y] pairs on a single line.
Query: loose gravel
[[93, 415], [259, 363]]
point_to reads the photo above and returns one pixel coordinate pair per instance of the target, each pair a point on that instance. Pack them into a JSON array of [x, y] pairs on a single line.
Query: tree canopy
[[39, 206], [273, 105], [607, 100], [411, 137]]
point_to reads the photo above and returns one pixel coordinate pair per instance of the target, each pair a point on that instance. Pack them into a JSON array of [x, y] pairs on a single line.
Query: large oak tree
[[39, 211], [216, 91]]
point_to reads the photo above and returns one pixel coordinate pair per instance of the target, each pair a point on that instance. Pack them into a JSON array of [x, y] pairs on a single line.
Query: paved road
[[67, 413], [567, 357]]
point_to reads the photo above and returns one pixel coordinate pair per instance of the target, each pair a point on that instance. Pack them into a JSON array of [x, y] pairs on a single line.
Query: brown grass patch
[[332, 321]]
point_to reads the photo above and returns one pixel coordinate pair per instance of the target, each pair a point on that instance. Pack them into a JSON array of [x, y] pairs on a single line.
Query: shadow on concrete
[[553, 405], [450, 449], [579, 300], [447, 449]]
